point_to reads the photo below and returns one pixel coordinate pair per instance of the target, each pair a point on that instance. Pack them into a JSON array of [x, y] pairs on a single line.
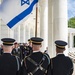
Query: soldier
[[26, 48], [61, 64], [37, 62], [9, 65], [29, 47], [17, 51], [30, 42]]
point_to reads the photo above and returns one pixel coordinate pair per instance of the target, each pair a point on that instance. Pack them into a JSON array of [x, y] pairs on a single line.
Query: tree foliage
[[71, 22]]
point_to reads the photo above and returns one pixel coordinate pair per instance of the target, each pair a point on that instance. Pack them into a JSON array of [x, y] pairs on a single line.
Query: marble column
[[10, 33], [60, 25], [71, 40], [27, 30], [50, 28], [22, 33], [0, 30], [44, 23], [57, 24], [4, 30], [17, 33]]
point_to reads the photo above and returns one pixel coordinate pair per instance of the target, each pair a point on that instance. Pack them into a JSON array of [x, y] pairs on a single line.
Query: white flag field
[[14, 12]]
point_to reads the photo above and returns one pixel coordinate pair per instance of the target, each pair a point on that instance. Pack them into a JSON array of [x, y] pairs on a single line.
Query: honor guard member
[[29, 48], [9, 65], [26, 50], [61, 64], [37, 63], [30, 42], [17, 51]]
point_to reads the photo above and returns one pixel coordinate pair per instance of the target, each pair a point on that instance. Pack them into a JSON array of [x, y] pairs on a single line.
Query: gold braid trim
[[60, 46], [35, 42], [7, 43]]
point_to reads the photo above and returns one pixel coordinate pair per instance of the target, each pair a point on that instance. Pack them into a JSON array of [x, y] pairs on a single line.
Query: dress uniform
[[37, 62], [9, 65], [17, 52], [1, 51], [30, 42], [28, 49], [61, 64]]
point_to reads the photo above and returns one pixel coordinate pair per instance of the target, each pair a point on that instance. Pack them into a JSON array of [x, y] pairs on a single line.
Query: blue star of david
[[25, 2]]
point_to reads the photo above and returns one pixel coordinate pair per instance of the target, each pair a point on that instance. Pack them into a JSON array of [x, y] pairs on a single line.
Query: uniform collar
[[36, 51], [60, 53], [7, 53]]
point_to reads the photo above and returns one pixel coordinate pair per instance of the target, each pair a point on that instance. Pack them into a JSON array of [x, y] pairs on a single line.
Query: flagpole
[[36, 20]]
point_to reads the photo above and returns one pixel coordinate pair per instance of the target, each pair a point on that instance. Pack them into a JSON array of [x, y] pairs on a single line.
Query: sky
[[71, 8]]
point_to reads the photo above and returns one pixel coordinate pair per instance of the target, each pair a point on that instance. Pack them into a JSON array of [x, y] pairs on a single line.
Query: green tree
[[71, 22]]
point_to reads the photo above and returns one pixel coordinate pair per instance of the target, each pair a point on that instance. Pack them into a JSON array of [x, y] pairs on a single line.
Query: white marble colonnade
[[57, 23], [44, 23], [71, 35]]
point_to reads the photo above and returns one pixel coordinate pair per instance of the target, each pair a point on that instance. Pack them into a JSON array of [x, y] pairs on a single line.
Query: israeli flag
[[14, 12]]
